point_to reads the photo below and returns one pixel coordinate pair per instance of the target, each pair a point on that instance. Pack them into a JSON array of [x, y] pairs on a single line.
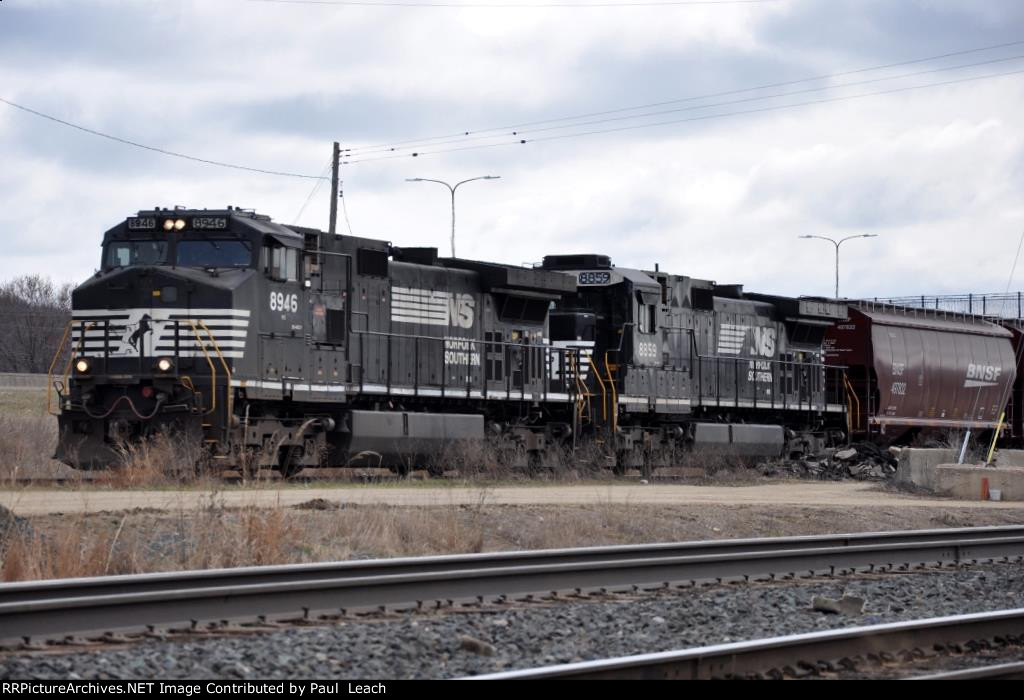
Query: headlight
[[82, 366], [164, 364], [168, 224], [179, 224]]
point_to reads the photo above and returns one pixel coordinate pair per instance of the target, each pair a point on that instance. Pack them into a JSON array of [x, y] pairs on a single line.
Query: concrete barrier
[[21, 380], [1009, 458], [964, 481], [917, 465]]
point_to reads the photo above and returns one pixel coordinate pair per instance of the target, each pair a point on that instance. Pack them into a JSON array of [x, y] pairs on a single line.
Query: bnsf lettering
[[984, 373]]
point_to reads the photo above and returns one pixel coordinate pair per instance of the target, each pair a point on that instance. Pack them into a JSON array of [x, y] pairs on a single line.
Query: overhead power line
[[154, 149], [430, 140], [705, 117], [316, 187], [758, 98]]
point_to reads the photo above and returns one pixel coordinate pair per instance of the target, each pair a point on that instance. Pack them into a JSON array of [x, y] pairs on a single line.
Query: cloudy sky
[[720, 188]]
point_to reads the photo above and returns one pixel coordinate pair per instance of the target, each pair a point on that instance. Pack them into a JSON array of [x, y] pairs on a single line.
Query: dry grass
[[218, 537], [29, 403], [67, 553], [163, 460], [26, 445]]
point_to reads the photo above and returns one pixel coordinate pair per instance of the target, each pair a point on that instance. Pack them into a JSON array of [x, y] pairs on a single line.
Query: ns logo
[[460, 310], [762, 341]]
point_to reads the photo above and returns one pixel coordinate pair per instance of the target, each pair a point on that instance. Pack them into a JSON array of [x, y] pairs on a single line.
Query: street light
[[453, 188], [837, 244]]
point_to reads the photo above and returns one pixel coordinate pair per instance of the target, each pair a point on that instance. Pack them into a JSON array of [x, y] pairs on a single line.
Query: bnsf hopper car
[[910, 371]]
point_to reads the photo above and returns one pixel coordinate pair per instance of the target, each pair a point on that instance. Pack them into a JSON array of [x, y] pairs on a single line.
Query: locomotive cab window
[[127, 253], [281, 263], [211, 253], [646, 315]]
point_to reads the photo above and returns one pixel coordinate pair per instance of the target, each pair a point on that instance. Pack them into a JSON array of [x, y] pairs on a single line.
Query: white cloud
[[936, 173]]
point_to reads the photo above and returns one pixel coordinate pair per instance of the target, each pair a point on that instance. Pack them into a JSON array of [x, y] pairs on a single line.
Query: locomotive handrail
[[71, 357], [615, 395], [53, 363], [443, 383], [213, 369], [227, 381], [604, 392], [856, 399]]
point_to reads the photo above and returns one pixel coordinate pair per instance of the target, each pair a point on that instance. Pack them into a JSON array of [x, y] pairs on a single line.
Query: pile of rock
[[862, 461]]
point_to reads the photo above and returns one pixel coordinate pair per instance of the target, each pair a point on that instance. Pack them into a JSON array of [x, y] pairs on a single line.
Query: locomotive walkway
[[43, 501]]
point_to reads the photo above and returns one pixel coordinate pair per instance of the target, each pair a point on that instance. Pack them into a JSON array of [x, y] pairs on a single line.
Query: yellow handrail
[[71, 357], [213, 370], [604, 392], [53, 363], [227, 370], [582, 394]]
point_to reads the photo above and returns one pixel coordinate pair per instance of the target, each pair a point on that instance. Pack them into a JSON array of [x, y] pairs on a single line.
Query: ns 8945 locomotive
[[287, 347]]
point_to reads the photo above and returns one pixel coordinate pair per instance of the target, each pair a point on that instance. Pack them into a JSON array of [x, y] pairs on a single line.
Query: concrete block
[[964, 481], [17, 380], [1009, 458], [917, 466]]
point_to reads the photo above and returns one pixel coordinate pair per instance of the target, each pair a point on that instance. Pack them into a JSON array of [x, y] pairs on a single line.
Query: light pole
[[837, 244], [452, 188]]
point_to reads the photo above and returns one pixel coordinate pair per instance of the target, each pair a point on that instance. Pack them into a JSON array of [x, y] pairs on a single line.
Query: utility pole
[[335, 163]]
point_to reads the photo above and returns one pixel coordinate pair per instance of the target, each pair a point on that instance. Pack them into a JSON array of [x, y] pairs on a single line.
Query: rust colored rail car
[[912, 369]]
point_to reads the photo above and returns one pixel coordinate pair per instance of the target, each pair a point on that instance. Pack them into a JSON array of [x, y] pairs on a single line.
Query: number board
[[210, 222], [141, 223], [589, 278]]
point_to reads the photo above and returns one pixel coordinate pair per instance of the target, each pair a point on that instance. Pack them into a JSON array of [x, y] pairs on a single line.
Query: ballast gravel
[[468, 641]]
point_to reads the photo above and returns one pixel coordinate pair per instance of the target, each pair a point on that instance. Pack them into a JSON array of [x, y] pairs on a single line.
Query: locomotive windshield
[[126, 253], [209, 252]]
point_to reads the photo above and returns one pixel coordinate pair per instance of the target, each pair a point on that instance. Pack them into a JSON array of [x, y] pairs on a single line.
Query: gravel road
[[797, 493], [464, 642]]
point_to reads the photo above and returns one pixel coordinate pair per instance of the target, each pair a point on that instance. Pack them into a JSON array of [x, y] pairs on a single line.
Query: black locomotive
[[288, 347]]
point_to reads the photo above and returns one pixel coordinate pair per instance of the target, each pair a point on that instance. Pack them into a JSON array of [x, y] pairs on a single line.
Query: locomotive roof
[[246, 218]]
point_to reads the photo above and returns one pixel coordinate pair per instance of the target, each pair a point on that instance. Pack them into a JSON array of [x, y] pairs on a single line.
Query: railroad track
[[801, 655], [54, 610]]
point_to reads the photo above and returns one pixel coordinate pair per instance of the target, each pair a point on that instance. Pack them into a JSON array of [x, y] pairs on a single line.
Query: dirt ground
[[838, 495]]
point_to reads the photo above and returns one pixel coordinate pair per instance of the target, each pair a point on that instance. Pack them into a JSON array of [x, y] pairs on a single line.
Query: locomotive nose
[[155, 288]]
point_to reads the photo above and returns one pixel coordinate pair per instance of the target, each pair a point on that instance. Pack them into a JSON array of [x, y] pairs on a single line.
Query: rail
[[53, 609], [777, 656]]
